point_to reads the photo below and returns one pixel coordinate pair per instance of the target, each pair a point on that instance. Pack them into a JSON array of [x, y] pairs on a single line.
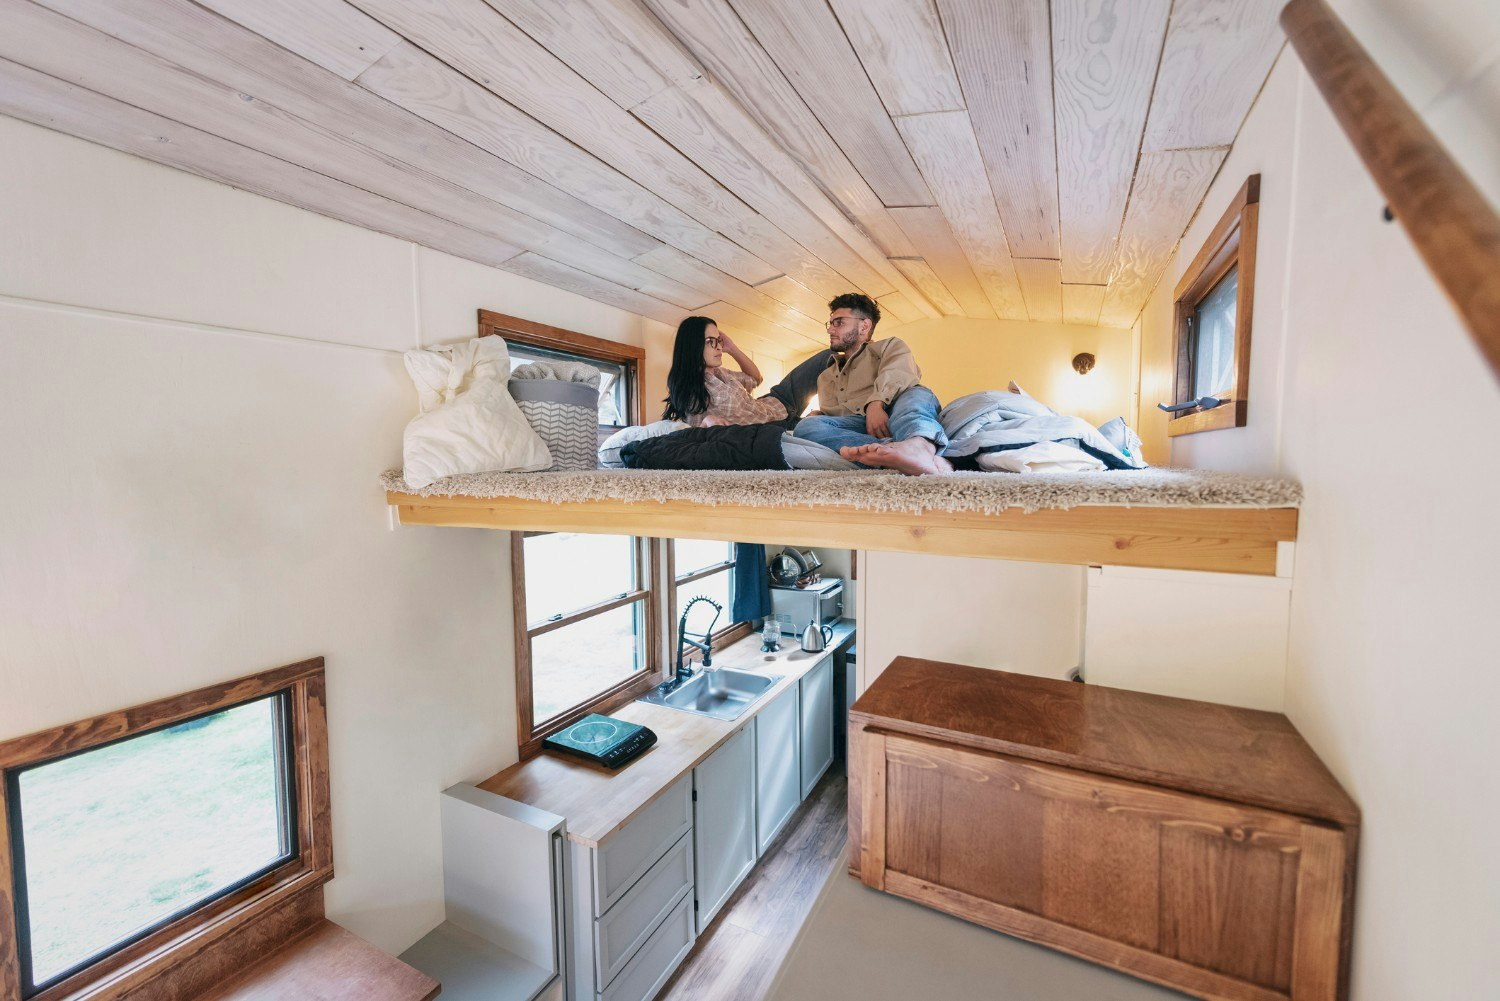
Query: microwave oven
[[821, 603]]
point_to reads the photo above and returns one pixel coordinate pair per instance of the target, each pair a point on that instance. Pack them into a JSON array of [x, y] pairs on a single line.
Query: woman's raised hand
[[726, 344]]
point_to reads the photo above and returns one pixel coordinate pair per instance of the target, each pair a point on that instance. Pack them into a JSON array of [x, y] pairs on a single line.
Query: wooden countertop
[[597, 801], [1243, 755]]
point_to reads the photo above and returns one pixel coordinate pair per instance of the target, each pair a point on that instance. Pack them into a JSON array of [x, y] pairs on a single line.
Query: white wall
[[1022, 617], [1368, 391], [198, 389]]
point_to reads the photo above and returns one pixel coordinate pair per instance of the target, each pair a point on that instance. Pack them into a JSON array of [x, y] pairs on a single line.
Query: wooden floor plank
[[737, 958]]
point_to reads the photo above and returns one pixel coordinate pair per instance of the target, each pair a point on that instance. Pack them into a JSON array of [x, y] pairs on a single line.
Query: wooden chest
[[1195, 845]]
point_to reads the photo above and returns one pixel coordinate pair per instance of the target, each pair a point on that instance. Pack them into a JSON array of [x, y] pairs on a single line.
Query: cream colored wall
[[1022, 617], [1370, 393], [960, 355], [198, 389]]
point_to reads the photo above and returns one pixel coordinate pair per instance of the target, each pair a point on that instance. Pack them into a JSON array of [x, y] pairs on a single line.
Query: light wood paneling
[[677, 153], [1168, 188], [931, 235], [599, 48], [805, 41], [49, 102], [335, 36], [1041, 284], [185, 35], [1082, 303], [676, 116], [719, 38], [923, 277], [424, 85], [899, 308], [674, 263], [944, 145], [64, 48], [1232, 540], [1104, 64], [1217, 55], [534, 266], [900, 43], [1004, 56], [799, 297], [700, 119], [474, 38], [793, 341]]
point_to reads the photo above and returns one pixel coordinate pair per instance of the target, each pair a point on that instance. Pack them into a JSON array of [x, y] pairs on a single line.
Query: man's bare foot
[[914, 456]]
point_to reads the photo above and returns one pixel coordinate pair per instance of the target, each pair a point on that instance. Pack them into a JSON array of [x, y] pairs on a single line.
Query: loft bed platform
[[1163, 518]]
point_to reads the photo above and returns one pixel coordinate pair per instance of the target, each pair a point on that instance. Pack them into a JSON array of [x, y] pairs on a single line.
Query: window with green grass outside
[[112, 843]]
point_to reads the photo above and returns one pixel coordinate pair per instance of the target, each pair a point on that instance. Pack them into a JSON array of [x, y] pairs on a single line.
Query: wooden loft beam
[[1226, 540], [1454, 228]]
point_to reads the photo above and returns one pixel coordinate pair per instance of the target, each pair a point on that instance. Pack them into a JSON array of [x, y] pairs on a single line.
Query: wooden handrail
[[1455, 229]]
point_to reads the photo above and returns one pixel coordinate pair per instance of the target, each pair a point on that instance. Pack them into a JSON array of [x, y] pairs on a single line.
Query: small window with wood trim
[[128, 836], [618, 365], [704, 568], [585, 614], [1214, 308]]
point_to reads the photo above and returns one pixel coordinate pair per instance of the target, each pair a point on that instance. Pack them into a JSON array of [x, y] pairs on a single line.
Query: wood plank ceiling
[[749, 159]]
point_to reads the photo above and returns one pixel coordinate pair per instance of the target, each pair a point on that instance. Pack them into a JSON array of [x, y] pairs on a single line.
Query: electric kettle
[[815, 638]]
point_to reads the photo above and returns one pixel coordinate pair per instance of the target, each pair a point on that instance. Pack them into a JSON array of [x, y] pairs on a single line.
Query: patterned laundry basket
[[566, 415]]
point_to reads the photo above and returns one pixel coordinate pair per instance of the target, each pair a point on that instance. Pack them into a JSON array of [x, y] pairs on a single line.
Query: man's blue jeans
[[913, 415]]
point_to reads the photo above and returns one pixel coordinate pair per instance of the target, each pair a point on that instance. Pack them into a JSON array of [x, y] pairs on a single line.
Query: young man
[[872, 408]]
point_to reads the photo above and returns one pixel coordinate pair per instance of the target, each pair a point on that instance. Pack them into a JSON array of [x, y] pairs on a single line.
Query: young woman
[[703, 392]]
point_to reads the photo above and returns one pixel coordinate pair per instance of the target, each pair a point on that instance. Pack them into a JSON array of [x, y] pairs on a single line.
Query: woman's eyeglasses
[[712, 342]]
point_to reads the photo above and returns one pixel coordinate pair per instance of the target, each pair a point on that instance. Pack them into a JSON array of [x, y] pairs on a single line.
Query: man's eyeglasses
[[832, 324], [712, 342]]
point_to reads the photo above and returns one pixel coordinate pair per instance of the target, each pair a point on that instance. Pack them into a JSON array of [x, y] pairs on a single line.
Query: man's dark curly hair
[[861, 304]]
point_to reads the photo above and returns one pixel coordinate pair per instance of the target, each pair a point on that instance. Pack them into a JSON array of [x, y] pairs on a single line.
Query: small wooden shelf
[[1223, 539]]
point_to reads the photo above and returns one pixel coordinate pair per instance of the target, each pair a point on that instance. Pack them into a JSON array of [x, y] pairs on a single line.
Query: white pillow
[[609, 452], [468, 421]]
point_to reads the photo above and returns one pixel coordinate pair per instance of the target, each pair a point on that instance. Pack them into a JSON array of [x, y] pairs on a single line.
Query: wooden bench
[[1194, 845]]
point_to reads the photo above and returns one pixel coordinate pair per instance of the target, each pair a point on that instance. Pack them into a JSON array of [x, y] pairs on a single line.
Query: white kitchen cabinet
[[778, 766], [723, 822], [817, 723]]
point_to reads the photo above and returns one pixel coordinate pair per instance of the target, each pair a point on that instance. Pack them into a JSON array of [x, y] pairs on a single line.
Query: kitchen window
[[126, 835], [701, 567], [1214, 304], [586, 615]]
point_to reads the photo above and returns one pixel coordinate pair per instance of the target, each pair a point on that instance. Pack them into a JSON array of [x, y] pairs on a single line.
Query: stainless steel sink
[[722, 694]]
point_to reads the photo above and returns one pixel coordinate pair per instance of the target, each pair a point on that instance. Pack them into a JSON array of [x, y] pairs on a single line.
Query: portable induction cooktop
[[611, 742]]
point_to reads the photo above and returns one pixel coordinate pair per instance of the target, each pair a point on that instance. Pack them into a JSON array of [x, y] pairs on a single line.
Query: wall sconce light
[[1083, 363]]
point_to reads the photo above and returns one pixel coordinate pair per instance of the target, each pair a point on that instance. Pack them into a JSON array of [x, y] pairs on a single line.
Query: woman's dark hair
[[687, 392]]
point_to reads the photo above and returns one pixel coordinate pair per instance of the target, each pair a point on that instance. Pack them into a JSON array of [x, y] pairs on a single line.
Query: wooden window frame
[[1231, 243], [219, 939], [529, 731], [516, 330], [731, 633]]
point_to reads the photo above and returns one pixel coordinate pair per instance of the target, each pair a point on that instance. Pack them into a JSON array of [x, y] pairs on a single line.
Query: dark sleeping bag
[[736, 446]]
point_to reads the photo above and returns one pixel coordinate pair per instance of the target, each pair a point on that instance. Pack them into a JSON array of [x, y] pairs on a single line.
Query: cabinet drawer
[[619, 933], [654, 963], [626, 856]]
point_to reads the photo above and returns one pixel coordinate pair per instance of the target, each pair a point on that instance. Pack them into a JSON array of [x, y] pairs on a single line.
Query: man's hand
[[877, 422]]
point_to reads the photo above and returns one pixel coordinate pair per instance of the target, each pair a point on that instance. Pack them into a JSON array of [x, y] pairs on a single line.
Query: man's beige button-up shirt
[[879, 370]]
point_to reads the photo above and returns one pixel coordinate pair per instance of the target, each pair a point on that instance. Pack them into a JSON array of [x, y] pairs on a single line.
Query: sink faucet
[[684, 672]]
